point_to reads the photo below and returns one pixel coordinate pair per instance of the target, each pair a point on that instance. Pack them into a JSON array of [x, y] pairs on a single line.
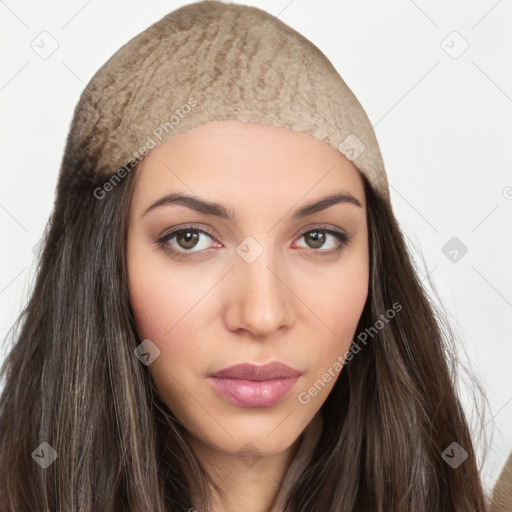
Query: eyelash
[[342, 237]]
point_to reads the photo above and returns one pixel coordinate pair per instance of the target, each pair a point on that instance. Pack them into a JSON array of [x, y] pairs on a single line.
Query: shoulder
[[502, 492]]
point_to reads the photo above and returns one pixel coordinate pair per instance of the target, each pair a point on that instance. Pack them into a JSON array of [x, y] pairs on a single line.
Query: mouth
[[250, 385]]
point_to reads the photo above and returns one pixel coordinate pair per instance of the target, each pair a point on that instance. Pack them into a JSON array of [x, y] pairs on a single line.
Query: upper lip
[[249, 371]]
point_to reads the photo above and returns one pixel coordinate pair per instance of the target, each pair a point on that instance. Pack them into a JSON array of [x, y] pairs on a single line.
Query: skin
[[214, 309]]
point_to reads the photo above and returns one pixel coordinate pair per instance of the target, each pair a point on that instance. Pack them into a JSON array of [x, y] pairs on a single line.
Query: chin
[[260, 432]]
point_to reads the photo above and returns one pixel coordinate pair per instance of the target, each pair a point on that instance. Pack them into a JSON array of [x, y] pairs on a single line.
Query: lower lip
[[253, 393]]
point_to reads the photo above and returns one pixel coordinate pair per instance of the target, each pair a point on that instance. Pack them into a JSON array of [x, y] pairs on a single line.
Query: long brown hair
[[72, 381]]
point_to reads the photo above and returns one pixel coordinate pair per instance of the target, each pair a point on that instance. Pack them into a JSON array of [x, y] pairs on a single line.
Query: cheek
[[170, 306], [339, 303], [160, 314], [341, 299], [152, 302], [162, 298], [349, 302]]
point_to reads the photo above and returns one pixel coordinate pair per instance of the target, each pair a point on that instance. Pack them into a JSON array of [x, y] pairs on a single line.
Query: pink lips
[[251, 385]]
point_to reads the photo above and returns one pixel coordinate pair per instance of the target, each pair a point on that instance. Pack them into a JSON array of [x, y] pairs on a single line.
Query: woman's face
[[266, 281]]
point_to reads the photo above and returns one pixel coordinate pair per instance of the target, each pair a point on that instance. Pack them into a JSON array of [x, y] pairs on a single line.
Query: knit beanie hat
[[214, 61]]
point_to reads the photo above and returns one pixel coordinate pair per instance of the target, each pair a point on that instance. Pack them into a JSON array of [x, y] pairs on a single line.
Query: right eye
[[181, 241]]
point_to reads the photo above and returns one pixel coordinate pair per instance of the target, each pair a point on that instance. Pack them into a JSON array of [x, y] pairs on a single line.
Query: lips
[[249, 371], [250, 385]]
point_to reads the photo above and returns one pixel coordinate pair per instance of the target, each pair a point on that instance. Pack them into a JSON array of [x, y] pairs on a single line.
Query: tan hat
[[213, 61]]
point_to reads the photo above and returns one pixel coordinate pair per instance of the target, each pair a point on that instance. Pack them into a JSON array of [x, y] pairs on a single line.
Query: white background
[[444, 126]]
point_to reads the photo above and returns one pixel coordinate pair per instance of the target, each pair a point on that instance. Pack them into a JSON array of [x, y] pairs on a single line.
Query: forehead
[[245, 162]]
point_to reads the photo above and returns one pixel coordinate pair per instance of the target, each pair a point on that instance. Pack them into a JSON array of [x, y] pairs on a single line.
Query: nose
[[260, 299]]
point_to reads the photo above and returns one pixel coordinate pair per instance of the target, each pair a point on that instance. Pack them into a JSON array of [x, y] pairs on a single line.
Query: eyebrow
[[217, 210]]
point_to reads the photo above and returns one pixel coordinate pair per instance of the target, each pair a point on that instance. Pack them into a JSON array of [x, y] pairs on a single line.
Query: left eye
[[318, 237]]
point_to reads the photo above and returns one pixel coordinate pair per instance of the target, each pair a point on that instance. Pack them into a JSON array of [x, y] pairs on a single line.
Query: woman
[[225, 314]]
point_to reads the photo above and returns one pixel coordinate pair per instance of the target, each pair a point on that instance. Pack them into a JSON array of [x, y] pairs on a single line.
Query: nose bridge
[[261, 302]]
